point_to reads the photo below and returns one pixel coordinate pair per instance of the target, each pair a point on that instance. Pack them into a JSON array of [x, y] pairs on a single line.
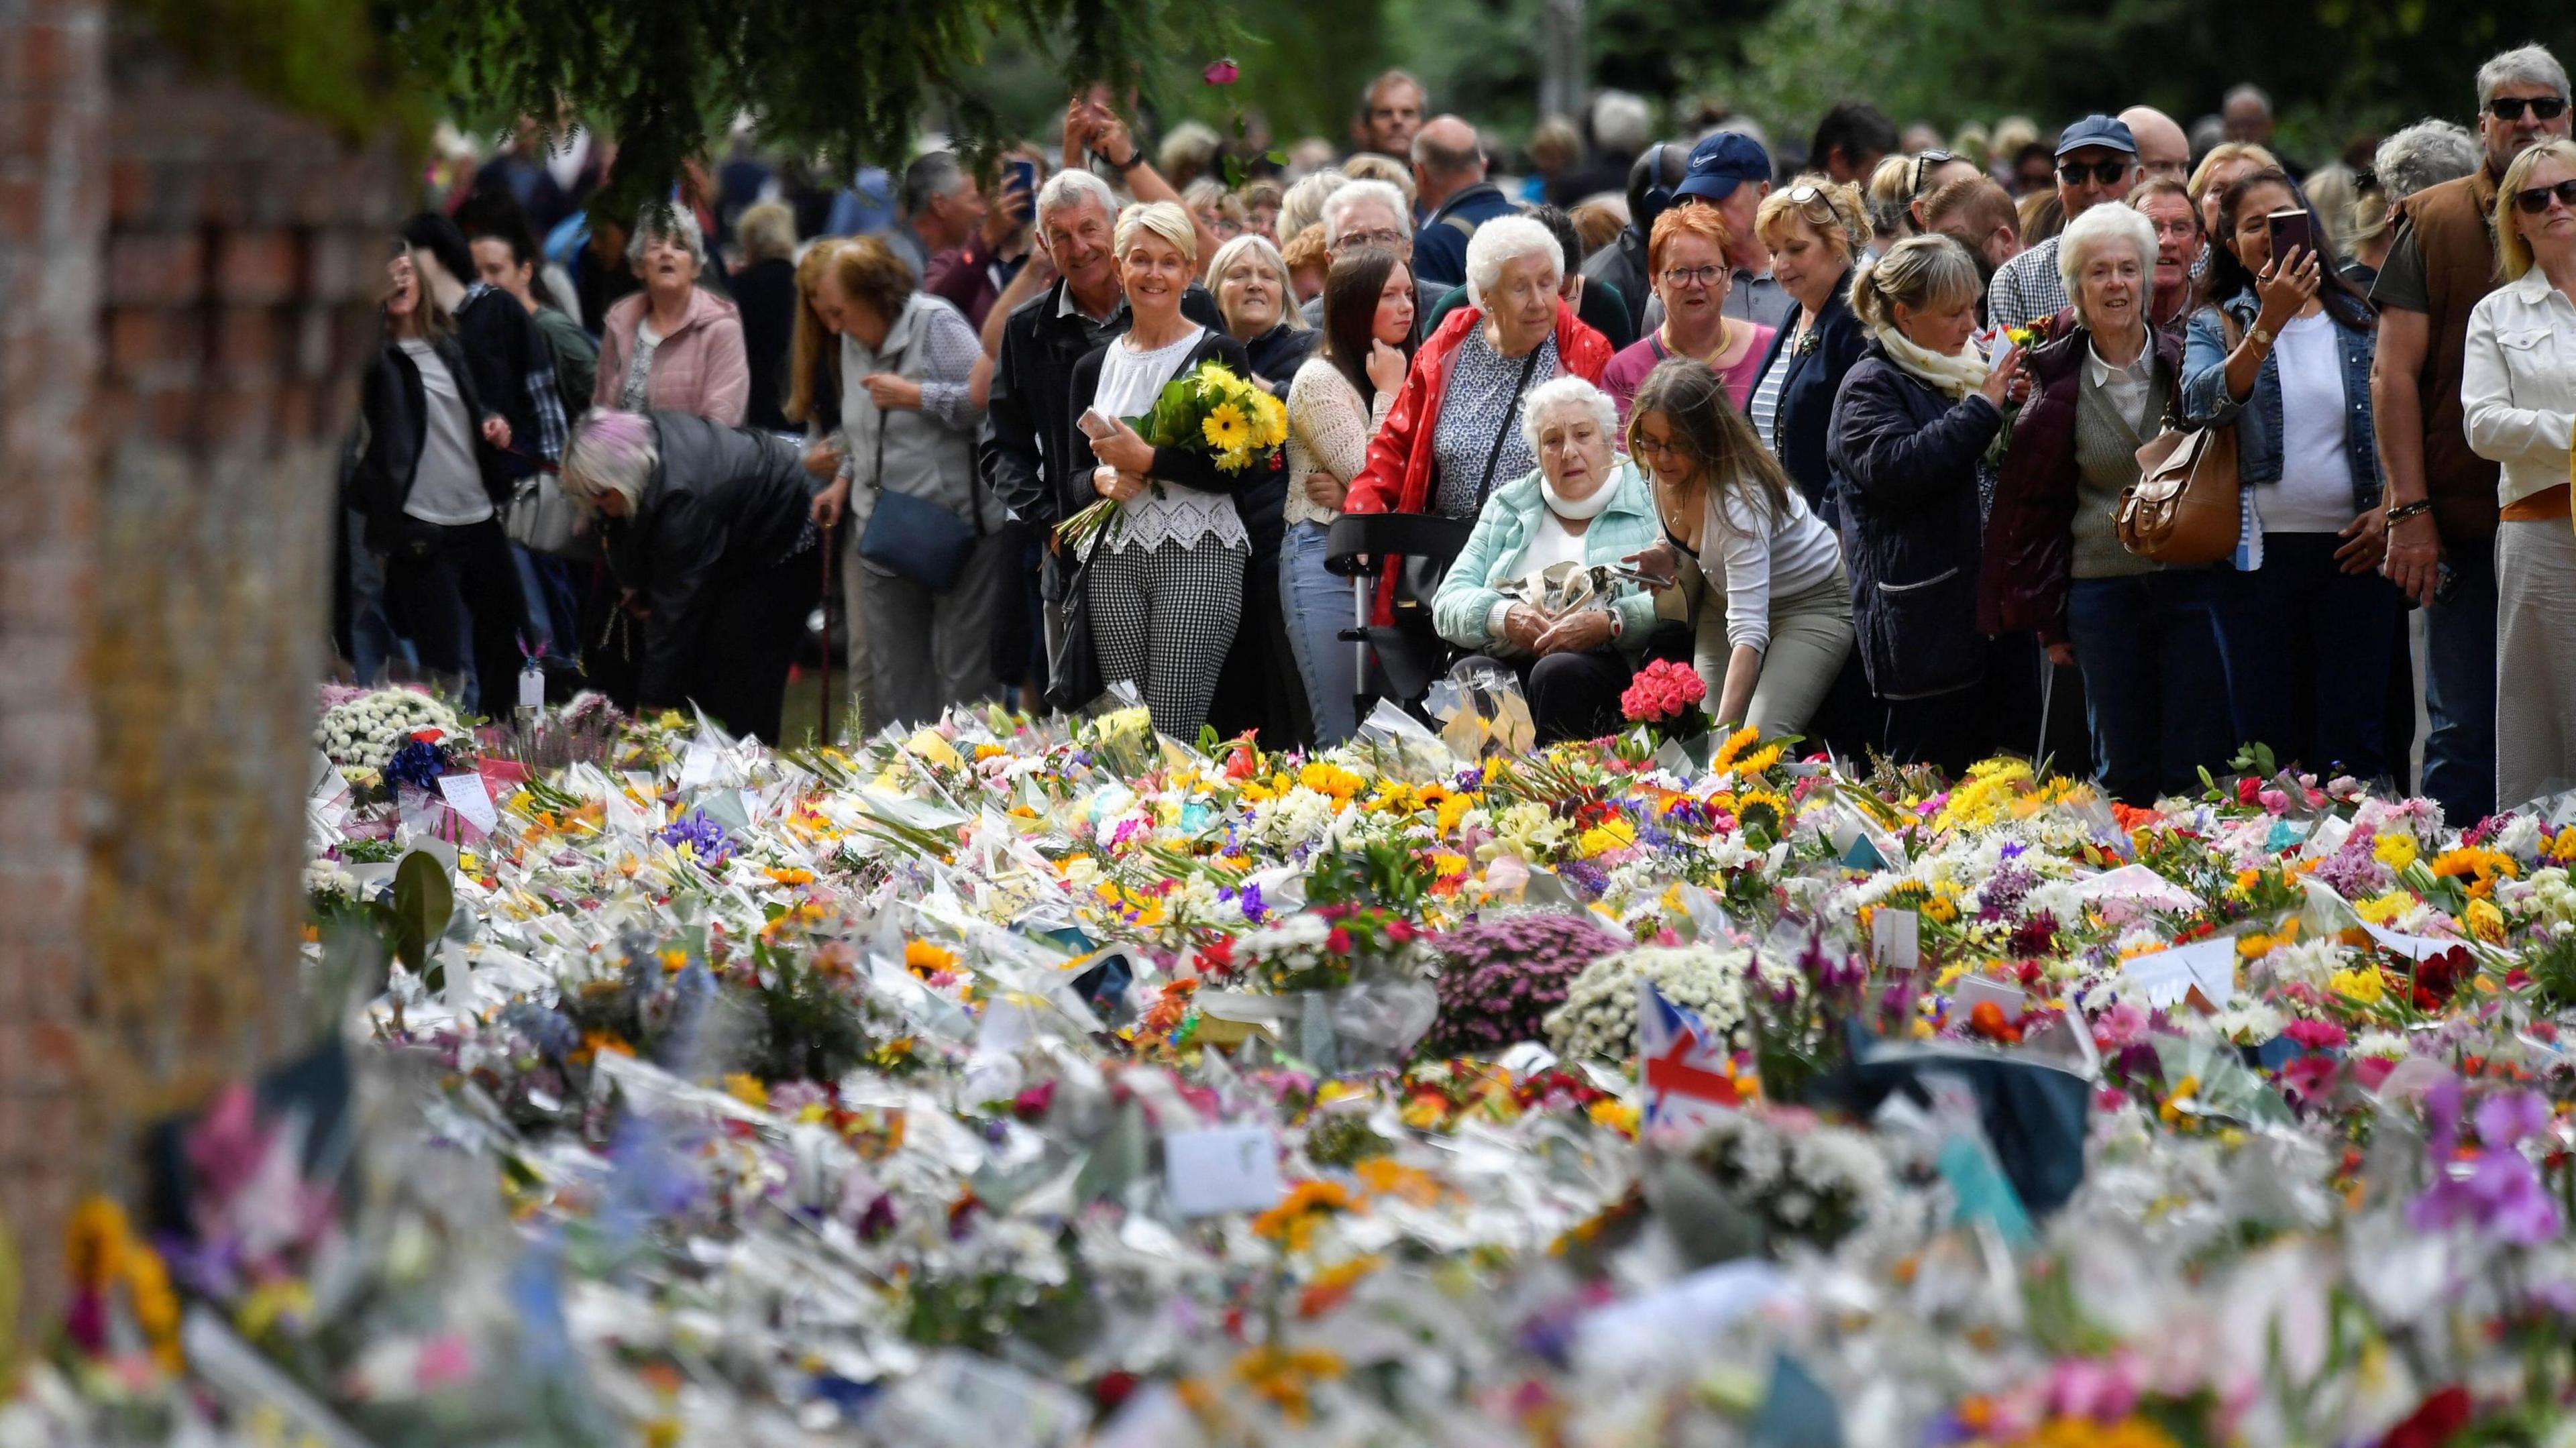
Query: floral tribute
[[1128, 1089]]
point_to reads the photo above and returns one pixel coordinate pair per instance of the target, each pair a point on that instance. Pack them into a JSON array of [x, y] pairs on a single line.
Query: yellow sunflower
[[1226, 428]]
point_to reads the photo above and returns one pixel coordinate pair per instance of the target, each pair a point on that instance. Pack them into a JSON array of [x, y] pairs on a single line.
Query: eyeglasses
[[2104, 173], [2509, 108], [1642, 446], [1693, 276], [2535, 200], [1925, 163], [1386, 237], [1806, 194]]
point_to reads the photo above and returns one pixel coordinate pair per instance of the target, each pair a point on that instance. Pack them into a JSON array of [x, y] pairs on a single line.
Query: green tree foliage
[[852, 82]]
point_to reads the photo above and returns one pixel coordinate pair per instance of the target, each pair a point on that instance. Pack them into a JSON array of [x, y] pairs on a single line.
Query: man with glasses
[[2442, 496], [2097, 161]]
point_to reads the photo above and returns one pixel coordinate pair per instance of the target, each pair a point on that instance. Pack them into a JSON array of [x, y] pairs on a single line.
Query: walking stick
[[826, 600]]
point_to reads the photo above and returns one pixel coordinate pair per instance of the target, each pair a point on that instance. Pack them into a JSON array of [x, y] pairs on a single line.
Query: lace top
[[1166, 512], [1328, 432]]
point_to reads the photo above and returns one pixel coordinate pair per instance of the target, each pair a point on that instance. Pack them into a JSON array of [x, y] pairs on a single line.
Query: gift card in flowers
[[1222, 1169], [2169, 977], [1895, 938], [467, 796]]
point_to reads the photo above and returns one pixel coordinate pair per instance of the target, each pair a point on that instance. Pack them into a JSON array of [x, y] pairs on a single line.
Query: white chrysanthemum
[[2250, 1024], [2521, 838], [1599, 1016], [2386, 1045], [2306, 962]]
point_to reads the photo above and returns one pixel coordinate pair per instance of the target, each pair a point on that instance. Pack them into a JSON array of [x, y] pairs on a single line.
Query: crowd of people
[[1887, 440]]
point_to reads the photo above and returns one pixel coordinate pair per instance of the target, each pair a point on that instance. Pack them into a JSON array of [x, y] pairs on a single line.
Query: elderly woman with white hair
[[2144, 635], [1164, 581], [709, 532], [1452, 434], [1583, 505], [674, 346]]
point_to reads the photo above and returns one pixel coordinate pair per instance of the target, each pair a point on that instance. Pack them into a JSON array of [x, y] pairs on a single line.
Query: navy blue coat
[[1905, 468], [1807, 399]]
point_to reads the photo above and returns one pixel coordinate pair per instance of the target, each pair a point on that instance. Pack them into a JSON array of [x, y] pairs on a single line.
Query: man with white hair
[[1363, 214], [2440, 501], [1450, 187], [1026, 447]]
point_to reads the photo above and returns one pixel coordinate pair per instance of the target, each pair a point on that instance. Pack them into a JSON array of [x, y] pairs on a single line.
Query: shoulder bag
[[913, 537], [2186, 506], [1421, 578], [541, 519]]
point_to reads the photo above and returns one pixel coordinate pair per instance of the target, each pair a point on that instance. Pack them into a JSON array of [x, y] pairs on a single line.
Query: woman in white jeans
[[1335, 404], [1771, 603], [2518, 391]]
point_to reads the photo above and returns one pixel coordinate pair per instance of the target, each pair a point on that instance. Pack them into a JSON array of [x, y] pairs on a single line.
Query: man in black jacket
[[1027, 443]]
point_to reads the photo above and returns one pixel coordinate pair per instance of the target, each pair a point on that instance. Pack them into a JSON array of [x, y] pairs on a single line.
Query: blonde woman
[[1909, 436], [1815, 230]]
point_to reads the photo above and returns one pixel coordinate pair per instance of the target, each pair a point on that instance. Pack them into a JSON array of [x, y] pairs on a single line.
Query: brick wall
[[188, 277], [53, 218]]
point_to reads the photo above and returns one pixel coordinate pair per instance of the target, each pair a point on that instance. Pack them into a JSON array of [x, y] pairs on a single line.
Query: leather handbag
[[541, 519], [915, 538], [1073, 663], [2187, 505]]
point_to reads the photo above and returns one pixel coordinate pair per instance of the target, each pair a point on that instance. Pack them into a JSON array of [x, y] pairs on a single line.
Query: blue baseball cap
[[1722, 162], [2101, 131]]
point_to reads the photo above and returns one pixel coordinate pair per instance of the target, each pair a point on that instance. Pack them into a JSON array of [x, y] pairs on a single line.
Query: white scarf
[[1582, 509], [1954, 377]]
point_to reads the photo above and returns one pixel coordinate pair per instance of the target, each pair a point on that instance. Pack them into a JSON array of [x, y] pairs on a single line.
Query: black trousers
[[456, 594], [1259, 688], [752, 629]]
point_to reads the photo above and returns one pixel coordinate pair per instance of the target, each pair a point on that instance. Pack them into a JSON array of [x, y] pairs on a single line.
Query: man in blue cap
[[2097, 162], [1731, 171]]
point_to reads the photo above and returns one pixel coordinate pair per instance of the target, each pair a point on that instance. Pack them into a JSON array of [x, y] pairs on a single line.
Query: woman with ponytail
[[1911, 429]]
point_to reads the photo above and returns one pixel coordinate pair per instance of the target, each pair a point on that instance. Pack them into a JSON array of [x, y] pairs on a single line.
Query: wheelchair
[[1399, 660]]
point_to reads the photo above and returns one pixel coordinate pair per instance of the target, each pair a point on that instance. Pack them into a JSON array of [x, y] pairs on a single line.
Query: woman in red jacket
[[1454, 431]]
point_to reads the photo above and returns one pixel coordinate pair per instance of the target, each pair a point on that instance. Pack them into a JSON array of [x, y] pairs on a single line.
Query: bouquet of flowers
[[1665, 698], [1207, 410], [362, 735], [1500, 978]]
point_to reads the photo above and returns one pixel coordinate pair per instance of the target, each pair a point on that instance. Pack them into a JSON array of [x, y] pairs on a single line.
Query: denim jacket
[[2204, 400]]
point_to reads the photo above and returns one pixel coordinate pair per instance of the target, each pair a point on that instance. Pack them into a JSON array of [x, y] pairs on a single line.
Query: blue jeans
[[2307, 650], [2155, 694], [1318, 606], [2460, 689], [373, 645]]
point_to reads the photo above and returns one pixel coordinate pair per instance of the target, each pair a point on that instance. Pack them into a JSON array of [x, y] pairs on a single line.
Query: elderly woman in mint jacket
[[1583, 505], [2305, 622]]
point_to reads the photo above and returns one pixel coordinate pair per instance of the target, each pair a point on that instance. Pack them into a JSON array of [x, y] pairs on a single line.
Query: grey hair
[[2247, 91], [610, 451], [2529, 65], [1622, 121], [663, 218], [1566, 391], [931, 175], [1070, 188], [1353, 194], [1507, 238], [1303, 205], [2097, 227], [1256, 246], [2426, 153]]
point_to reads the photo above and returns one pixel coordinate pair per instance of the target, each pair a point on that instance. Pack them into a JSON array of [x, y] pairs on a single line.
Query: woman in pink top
[[674, 346], [1686, 257]]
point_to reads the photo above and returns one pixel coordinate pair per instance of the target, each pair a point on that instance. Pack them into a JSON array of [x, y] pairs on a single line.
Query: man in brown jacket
[[2441, 497]]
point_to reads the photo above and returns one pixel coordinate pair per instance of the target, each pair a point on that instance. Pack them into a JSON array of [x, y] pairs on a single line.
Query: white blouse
[[1130, 380], [1755, 560], [2518, 384]]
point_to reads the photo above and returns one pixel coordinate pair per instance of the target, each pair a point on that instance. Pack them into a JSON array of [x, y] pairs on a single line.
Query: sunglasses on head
[[2104, 173], [2535, 200], [2509, 108], [1805, 195], [1925, 163]]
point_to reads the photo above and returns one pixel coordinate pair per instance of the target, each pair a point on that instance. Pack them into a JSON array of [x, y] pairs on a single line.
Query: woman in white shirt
[[1164, 581], [2518, 392], [1771, 601]]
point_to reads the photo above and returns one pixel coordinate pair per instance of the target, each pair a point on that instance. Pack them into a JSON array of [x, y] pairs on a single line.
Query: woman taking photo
[[1453, 434], [1165, 579], [1585, 505], [448, 577], [2519, 392], [2305, 622], [1686, 257], [1252, 294], [1815, 230], [708, 530], [2143, 634], [1769, 599], [674, 346], [1909, 436], [1339, 399], [908, 426]]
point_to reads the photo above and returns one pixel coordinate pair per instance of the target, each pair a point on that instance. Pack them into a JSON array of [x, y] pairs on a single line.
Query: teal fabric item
[[1492, 557]]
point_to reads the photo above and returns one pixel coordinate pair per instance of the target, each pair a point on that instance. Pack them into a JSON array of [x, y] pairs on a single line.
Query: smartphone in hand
[[1095, 424], [2290, 228]]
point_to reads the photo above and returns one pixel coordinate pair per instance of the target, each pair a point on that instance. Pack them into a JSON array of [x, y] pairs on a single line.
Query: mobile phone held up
[[2289, 229], [1020, 175]]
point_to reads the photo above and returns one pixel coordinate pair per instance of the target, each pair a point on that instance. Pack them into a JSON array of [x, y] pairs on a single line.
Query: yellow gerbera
[[1226, 428]]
